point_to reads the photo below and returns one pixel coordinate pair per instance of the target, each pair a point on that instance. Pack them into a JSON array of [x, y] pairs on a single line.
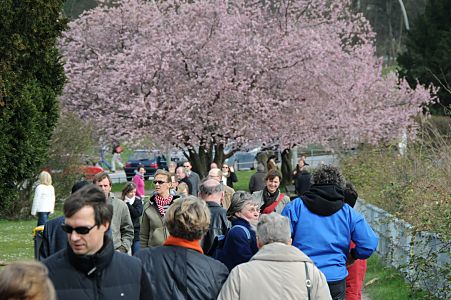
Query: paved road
[[118, 176]]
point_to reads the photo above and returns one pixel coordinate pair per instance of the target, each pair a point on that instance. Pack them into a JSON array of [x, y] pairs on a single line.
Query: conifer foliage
[[428, 55], [31, 78]]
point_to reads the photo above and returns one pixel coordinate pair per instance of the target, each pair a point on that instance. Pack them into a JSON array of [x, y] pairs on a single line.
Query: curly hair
[[188, 218], [328, 174]]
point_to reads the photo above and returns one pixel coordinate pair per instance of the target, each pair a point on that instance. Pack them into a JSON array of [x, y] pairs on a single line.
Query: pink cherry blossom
[[199, 75]]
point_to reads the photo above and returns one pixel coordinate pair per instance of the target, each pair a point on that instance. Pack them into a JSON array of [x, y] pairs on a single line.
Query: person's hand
[[231, 169], [350, 261]]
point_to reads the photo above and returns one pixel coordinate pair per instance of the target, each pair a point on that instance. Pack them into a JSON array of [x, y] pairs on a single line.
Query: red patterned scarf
[[163, 203]]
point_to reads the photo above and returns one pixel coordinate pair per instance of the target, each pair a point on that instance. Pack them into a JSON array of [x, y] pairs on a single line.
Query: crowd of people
[[201, 241]]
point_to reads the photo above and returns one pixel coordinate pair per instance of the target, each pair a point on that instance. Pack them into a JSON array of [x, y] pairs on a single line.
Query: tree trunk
[[286, 168]]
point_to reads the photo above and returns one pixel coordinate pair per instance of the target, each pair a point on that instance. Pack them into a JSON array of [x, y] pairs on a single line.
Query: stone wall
[[421, 256]]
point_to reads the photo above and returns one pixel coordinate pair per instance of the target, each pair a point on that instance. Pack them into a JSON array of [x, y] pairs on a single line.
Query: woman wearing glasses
[[228, 175], [153, 232], [240, 242]]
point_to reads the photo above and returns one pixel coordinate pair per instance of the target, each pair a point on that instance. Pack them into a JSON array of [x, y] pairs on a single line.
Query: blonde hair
[[45, 178], [182, 187], [188, 218], [27, 281], [164, 173]]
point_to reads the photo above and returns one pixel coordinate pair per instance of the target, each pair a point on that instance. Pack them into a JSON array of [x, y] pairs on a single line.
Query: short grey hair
[[272, 228], [239, 200], [210, 187], [328, 174]]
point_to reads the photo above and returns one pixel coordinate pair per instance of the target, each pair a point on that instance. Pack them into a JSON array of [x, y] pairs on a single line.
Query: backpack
[[218, 242]]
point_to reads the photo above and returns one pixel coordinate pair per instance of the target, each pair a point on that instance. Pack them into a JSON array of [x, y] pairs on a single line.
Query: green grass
[[16, 240], [387, 283], [243, 180]]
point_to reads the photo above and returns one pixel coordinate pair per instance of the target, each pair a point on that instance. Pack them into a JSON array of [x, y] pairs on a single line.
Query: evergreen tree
[[428, 55], [31, 78]]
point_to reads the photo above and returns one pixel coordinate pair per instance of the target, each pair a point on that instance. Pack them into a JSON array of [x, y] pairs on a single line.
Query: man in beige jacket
[[278, 270]]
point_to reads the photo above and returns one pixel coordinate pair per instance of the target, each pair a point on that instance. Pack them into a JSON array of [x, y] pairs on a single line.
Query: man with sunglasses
[[121, 224], [90, 268]]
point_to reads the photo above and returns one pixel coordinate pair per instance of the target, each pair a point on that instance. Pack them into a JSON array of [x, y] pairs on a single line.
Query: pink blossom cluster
[[215, 72]]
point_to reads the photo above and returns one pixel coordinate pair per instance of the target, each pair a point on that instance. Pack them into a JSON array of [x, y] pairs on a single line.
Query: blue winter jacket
[[326, 239], [237, 247]]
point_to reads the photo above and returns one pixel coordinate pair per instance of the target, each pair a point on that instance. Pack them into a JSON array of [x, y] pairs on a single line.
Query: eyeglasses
[[225, 167], [160, 182], [80, 230]]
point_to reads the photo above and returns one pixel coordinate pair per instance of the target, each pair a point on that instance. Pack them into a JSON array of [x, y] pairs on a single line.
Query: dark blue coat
[[106, 275], [53, 238], [237, 247]]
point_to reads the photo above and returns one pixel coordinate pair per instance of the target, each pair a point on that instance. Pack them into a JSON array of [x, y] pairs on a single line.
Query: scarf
[[163, 203], [176, 241], [268, 198], [130, 200]]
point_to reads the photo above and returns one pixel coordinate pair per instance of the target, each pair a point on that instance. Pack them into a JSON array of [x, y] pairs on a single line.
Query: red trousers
[[354, 281]]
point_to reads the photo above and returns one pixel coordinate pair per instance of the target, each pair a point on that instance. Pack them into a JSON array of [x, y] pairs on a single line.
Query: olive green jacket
[[153, 232], [121, 225]]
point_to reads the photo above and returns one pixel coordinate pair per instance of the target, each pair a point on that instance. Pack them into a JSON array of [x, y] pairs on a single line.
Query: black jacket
[[231, 179], [106, 275], [181, 273], [219, 225], [136, 211], [53, 238]]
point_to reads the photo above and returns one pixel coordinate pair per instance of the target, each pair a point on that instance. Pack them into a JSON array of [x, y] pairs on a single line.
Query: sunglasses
[[80, 230], [160, 182]]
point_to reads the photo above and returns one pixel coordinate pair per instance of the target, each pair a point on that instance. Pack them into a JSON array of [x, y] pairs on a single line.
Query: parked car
[[150, 159], [243, 160]]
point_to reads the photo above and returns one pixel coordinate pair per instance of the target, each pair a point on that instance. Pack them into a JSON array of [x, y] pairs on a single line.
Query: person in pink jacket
[[138, 180]]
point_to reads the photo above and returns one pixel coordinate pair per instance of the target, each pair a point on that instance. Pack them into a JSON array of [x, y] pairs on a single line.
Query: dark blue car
[[151, 160]]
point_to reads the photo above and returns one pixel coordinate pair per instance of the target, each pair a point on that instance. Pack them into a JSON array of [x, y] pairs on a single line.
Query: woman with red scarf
[[179, 269], [153, 232], [270, 199]]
